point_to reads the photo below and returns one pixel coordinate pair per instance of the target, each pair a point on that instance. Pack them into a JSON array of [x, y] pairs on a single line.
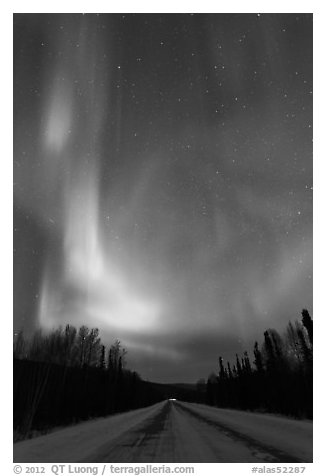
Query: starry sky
[[163, 180]]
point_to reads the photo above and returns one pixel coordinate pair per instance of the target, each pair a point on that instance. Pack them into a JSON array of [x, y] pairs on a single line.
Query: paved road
[[180, 434], [175, 432]]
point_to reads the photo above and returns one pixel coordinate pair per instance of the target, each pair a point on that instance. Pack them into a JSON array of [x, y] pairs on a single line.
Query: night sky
[[163, 180]]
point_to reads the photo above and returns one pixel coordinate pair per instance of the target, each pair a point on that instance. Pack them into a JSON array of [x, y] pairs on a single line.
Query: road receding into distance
[[175, 432]]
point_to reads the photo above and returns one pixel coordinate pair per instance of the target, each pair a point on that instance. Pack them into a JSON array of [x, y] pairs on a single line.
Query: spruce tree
[[307, 322]]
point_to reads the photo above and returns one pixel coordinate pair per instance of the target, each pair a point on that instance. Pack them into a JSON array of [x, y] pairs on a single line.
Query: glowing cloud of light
[[90, 287]]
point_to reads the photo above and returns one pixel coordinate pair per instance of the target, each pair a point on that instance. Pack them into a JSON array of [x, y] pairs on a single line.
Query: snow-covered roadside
[[69, 444], [294, 437], [189, 431]]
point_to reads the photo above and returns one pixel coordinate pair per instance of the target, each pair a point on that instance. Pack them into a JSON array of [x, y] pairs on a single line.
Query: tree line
[[70, 347], [68, 375], [278, 379]]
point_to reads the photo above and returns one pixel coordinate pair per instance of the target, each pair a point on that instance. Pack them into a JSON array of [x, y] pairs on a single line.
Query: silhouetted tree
[[59, 379], [70, 355], [116, 352], [93, 347], [306, 351], [292, 344], [270, 358], [82, 344], [222, 369], [110, 361], [239, 369], [258, 359], [230, 375], [102, 358], [247, 364], [281, 379], [307, 322]]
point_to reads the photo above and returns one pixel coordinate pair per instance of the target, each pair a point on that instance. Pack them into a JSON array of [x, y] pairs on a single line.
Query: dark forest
[[69, 375]]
